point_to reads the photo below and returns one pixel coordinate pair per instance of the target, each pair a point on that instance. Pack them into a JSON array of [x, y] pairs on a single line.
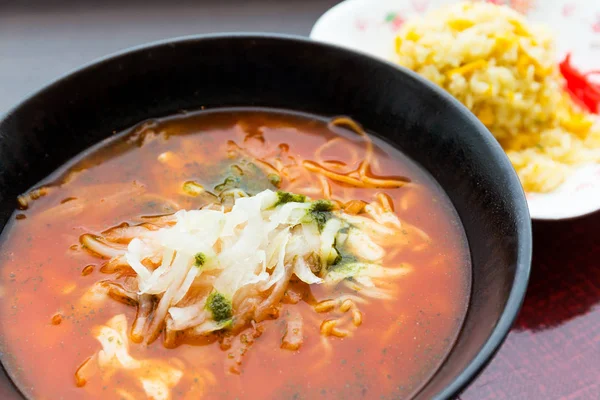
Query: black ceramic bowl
[[115, 93]]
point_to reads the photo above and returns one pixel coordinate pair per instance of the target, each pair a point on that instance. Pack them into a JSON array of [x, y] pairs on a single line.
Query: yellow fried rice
[[504, 69]]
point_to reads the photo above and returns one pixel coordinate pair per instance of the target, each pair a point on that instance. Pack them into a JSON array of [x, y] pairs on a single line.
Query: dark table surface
[[553, 352]]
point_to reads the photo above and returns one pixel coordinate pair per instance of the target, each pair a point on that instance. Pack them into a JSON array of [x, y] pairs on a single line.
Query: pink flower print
[[522, 6], [420, 6], [361, 25], [584, 186], [596, 24], [395, 20], [568, 9]]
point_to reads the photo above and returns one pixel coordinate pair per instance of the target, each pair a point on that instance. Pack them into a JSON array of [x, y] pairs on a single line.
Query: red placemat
[[553, 352]]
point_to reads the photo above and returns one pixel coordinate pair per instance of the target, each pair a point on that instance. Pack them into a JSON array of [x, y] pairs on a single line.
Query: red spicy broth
[[48, 322]]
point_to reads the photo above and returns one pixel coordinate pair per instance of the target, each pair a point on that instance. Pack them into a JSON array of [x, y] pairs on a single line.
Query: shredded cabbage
[[258, 244]]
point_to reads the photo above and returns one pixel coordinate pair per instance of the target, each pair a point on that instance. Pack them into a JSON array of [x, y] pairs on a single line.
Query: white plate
[[369, 26]]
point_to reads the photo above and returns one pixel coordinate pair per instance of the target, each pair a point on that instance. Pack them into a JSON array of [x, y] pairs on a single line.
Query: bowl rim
[[521, 212]]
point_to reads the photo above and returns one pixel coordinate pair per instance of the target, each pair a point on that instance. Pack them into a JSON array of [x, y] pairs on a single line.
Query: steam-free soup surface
[[387, 339]]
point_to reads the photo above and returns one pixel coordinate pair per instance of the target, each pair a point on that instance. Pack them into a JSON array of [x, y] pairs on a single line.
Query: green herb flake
[[320, 213], [219, 306], [199, 259], [320, 218], [344, 258], [287, 197], [321, 206]]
